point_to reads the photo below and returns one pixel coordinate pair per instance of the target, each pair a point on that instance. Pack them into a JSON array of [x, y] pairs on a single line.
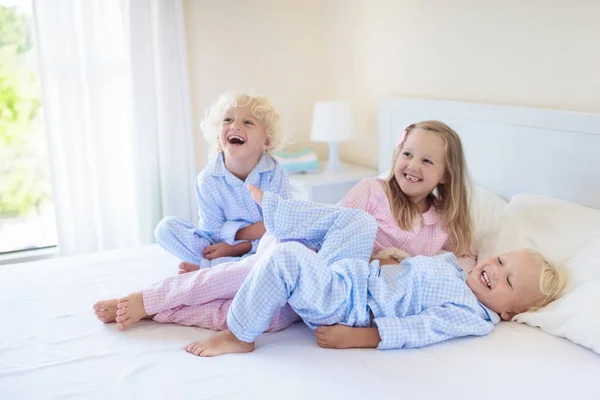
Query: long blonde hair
[[261, 109], [449, 198]]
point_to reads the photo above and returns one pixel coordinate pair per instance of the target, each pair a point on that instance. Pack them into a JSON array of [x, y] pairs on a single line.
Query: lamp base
[[334, 165]]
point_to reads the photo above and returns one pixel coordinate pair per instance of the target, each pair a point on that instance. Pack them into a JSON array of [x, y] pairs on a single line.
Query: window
[[26, 210]]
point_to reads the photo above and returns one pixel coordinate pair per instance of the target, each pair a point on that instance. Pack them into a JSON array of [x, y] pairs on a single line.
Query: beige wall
[[534, 53], [275, 48]]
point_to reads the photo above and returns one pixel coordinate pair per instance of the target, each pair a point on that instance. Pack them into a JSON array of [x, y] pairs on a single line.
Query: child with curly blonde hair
[[243, 129]]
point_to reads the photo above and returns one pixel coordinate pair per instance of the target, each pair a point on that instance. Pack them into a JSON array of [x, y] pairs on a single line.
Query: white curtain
[[116, 103]]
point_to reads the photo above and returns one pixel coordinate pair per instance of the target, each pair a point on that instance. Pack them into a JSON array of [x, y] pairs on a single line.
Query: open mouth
[[483, 277], [412, 178], [234, 139]]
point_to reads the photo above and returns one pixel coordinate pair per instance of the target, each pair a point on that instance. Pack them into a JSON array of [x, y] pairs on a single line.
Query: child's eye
[[226, 119], [500, 261], [509, 282], [406, 154], [249, 122], [427, 161]]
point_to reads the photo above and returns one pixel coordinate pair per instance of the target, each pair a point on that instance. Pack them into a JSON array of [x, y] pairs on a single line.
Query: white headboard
[[510, 150]]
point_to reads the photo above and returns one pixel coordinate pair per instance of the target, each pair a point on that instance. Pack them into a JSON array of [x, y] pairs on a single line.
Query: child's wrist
[[369, 337], [240, 249]]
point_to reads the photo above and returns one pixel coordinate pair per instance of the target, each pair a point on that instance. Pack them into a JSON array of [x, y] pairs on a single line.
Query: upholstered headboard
[[510, 150]]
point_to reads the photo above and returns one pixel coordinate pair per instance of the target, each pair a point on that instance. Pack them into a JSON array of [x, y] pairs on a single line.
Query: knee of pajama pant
[[291, 248], [285, 257], [182, 239], [166, 228]]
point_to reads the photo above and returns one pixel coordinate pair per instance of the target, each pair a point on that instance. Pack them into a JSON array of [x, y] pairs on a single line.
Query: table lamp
[[332, 123]]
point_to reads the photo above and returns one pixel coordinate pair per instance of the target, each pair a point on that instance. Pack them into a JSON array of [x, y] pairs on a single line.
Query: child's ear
[[267, 144], [507, 316], [443, 180]]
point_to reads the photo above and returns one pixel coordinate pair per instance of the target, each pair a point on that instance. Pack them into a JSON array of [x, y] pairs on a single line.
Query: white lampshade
[[332, 122]]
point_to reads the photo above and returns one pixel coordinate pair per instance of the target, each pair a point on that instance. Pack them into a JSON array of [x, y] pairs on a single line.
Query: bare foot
[[187, 267], [106, 310], [256, 193], [346, 337], [130, 309], [223, 343]]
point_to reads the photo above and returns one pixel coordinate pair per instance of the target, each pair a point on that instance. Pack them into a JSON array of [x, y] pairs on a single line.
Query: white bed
[[52, 347]]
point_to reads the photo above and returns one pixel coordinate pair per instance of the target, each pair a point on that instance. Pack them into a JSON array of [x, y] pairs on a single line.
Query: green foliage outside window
[[23, 165]]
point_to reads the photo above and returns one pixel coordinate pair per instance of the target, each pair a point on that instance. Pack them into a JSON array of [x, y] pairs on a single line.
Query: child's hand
[[257, 194], [391, 253], [346, 337], [386, 261], [217, 250], [390, 256]]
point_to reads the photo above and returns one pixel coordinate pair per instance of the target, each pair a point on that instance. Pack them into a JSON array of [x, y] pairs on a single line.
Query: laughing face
[[508, 284], [241, 135], [420, 166]]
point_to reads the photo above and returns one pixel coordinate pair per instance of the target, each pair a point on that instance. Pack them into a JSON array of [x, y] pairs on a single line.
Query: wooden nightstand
[[324, 187]]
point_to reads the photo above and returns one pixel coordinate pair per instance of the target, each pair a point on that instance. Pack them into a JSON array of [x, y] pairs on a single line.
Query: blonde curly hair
[[553, 280], [261, 109]]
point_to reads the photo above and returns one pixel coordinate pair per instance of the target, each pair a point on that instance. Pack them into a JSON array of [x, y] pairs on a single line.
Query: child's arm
[[432, 325], [251, 232], [210, 214], [212, 221], [347, 337], [226, 250], [240, 230]]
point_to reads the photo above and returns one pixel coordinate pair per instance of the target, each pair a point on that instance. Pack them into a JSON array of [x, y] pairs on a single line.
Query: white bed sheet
[[52, 347]]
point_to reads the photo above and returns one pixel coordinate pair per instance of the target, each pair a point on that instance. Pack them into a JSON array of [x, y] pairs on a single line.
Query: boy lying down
[[421, 301]]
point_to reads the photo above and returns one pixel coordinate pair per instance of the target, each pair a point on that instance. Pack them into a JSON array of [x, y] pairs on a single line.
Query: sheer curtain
[[116, 105]]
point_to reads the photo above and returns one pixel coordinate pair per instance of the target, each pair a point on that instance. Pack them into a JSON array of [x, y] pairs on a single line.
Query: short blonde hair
[[552, 280], [261, 109]]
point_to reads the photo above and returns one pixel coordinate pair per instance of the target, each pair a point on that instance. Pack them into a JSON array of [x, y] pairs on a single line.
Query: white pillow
[[568, 234], [575, 315], [487, 211], [557, 228]]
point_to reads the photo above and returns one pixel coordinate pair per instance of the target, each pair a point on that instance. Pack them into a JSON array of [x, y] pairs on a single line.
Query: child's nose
[[414, 165]]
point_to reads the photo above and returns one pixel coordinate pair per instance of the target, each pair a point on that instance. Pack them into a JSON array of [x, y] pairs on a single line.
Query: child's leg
[[321, 294], [175, 293], [130, 309], [106, 310], [213, 316], [124, 311], [199, 287], [183, 239], [335, 232]]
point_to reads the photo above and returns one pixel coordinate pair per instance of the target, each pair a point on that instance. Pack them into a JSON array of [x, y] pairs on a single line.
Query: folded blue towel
[[303, 161]]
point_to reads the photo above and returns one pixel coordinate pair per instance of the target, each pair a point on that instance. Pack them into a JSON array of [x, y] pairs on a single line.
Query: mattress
[[53, 347]]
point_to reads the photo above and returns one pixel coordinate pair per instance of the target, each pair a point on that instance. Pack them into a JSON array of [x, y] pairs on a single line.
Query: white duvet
[[52, 347]]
